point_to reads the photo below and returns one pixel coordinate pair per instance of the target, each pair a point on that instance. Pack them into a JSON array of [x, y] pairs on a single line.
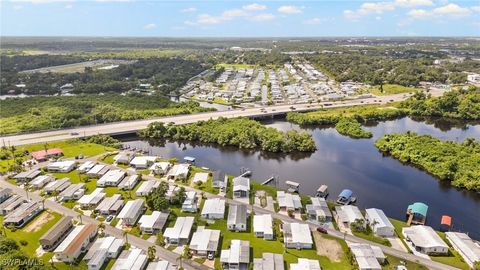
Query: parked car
[[322, 230], [74, 133], [109, 218], [210, 256]]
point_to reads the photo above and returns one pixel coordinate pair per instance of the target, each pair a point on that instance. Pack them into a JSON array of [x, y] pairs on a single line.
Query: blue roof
[[418, 208], [189, 158], [346, 193]]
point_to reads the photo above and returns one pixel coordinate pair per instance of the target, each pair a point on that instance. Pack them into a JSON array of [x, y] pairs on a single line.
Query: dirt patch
[[327, 247], [38, 223]]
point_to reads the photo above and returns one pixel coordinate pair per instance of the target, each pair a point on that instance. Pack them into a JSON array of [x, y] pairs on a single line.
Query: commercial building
[[424, 240], [132, 259], [297, 236], [131, 212], [237, 217], [129, 182], [146, 187], [318, 210], [102, 250], [465, 246], [213, 209], [110, 205], [180, 232], [190, 203], [205, 241], [269, 261], [263, 226], [92, 199], [348, 214], [22, 214], [75, 243], [178, 172], [56, 234], [237, 257], [379, 222], [287, 201], [40, 181], [368, 257], [305, 264], [241, 187], [111, 179], [153, 223], [64, 166]]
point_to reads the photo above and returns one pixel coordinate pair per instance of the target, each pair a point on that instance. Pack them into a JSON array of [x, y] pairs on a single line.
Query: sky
[[235, 18]]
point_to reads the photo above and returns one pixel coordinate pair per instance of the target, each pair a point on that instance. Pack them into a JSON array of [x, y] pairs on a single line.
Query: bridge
[[129, 127]]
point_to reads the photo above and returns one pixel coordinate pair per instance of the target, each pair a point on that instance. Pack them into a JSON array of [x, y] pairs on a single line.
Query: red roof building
[[43, 155]]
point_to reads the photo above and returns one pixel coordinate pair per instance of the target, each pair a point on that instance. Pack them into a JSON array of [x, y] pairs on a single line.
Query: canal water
[[340, 162]]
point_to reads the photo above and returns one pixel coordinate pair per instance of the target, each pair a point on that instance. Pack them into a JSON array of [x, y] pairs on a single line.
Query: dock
[[268, 180], [292, 186]]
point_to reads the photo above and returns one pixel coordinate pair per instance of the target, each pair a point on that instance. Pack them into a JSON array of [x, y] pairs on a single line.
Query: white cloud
[[475, 8], [232, 13], [289, 9], [150, 26], [263, 17], [41, 1], [351, 15], [378, 7], [313, 21], [189, 9], [449, 10], [255, 7], [368, 8], [413, 3]]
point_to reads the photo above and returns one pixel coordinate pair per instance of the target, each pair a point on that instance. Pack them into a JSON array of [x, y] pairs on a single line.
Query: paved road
[[162, 253], [133, 126]]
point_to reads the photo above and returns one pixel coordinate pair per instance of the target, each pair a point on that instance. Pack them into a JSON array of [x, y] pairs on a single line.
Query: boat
[[345, 197], [322, 191], [293, 187]]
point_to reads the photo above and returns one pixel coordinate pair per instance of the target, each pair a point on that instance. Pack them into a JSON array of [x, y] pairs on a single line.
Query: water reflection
[[340, 162]]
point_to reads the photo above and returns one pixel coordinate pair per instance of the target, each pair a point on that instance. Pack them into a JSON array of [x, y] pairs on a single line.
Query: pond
[[340, 162]]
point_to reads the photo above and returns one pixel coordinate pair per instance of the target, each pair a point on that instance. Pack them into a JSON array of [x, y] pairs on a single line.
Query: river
[[340, 162]]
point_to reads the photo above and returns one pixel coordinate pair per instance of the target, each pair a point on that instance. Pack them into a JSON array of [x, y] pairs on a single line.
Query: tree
[[152, 250], [476, 265], [125, 235], [7, 244], [160, 240]]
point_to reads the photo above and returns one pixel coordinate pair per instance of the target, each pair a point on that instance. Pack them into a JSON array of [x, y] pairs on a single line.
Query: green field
[[391, 89]]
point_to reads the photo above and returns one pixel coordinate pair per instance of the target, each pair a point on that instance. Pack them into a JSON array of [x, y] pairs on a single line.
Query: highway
[[117, 128]]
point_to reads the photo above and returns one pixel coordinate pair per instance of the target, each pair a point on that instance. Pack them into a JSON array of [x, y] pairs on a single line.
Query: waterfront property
[[153, 223], [379, 222], [292, 186], [111, 179], [205, 241], [101, 250], [27, 176], [124, 157], [241, 187], [425, 240], [40, 181], [288, 201], [56, 234], [417, 213], [22, 214], [160, 168], [131, 212], [368, 257], [64, 166], [348, 214], [190, 203], [178, 172], [263, 226], [200, 177], [237, 257], [129, 182], [318, 210], [305, 264], [297, 236], [97, 171], [237, 217], [179, 234], [57, 186], [269, 261], [465, 246], [132, 259], [72, 192], [219, 180], [146, 187], [213, 209], [143, 162], [322, 191], [75, 243], [92, 199], [110, 205]]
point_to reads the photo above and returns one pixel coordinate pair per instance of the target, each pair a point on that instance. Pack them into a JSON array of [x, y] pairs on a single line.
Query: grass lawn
[[392, 262], [108, 265], [390, 89], [81, 265], [370, 236], [32, 237]]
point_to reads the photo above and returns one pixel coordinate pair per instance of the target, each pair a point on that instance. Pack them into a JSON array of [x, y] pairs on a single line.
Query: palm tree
[[43, 203], [152, 250], [45, 147], [101, 226], [80, 217], [25, 187], [13, 149], [180, 261], [125, 234], [55, 194]]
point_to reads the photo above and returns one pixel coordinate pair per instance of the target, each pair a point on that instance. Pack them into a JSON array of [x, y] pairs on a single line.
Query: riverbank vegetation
[[54, 112], [351, 128], [240, 132], [456, 163]]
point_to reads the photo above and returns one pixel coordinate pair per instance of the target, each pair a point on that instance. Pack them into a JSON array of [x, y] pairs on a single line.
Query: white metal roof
[[200, 177], [468, 248], [131, 209], [112, 176], [96, 169], [301, 233], [263, 223], [142, 160], [148, 221], [92, 197], [181, 229], [351, 213], [70, 237], [305, 264], [423, 236], [205, 239], [379, 216], [147, 186], [213, 206]]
